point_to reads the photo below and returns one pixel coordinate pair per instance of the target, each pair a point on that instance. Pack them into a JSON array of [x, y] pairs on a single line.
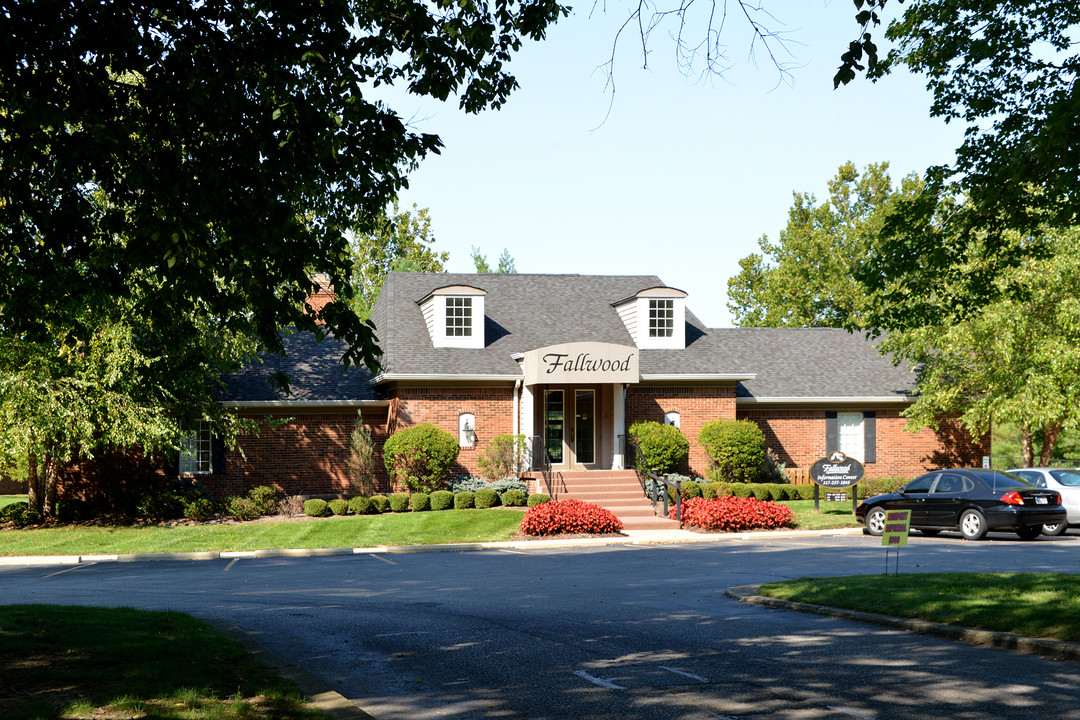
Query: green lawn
[[1036, 604], [425, 528], [832, 515], [8, 499], [89, 663]]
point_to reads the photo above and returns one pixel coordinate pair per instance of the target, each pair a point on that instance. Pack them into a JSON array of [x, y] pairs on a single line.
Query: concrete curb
[[1059, 649], [629, 537], [333, 703]]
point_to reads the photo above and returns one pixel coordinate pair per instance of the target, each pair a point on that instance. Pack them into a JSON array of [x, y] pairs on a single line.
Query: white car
[[1067, 482]]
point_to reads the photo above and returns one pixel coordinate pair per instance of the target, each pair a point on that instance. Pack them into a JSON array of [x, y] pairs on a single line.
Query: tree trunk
[[35, 497], [1049, 442], [51, 477], [1027, 447]]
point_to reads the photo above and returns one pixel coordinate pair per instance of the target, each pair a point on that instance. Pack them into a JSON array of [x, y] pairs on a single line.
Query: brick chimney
[[324, 295]]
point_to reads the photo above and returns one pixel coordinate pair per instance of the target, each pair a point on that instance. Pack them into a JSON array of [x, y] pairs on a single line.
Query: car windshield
[[1066, 477], [1001, 481]]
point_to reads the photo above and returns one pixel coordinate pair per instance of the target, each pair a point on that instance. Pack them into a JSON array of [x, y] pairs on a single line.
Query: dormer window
[[661, 318], [655, 318], [458, 317], [455, 316]]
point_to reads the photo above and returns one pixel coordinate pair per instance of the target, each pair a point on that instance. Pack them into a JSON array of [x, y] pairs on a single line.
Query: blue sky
[[683, 176]]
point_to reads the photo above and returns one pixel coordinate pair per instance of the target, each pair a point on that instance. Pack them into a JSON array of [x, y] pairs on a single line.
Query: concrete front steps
[[616, 490]]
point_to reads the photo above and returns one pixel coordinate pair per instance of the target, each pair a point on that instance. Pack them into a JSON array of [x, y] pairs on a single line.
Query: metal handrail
[[656, 481], [539, 462]]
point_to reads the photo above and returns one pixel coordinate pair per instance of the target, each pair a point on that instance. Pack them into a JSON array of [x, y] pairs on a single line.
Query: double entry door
[[570, 427]]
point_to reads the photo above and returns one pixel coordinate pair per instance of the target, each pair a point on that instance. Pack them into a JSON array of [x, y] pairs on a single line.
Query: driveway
[[619, 632]]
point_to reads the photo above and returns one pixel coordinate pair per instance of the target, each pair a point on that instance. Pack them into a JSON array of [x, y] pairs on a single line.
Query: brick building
[[569, 361]]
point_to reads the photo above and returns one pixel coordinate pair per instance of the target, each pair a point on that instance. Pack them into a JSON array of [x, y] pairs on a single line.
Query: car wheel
[[972, 525], [929, 532], [875, 522], [1055, 530], [1029, 532]]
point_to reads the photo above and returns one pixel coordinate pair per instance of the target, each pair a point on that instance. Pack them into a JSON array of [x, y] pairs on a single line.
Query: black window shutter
[[217, 456], [172, 463], [869, 423], [832, 433]]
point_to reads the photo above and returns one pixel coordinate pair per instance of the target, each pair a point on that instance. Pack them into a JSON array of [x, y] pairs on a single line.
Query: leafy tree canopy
[[212, 154], [806, 279], [1007, 69], [399, 241]]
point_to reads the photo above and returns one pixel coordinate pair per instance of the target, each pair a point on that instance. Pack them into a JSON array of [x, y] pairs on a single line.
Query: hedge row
[[422, 502], [779, 492]]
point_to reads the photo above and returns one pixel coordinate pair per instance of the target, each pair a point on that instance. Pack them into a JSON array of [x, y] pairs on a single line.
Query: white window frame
[[196, 450], [851, 434], [459, 317], [661, 317]]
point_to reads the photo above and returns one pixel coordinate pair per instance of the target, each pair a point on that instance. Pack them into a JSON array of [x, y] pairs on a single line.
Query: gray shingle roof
[[316, 372], [525, 312]]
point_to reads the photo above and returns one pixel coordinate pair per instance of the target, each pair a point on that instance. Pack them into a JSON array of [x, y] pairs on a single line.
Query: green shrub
[[420, 502], [772, 469], [472, 484], [868, 487], [399, 502], [486, 498], [160, 504], [442, 500], [538, 499], [691, 489], [380, 503], [316, 508], [360, 463], [419, 456], [776, 492], [240, 508], [742, 490], [199, 509], [735, 447], [806, 492], [663, 447], [502, 456], [361, 505], [74, 510], [338, 506], [265, 499], [513, 498], [19, 514], [464, 500]]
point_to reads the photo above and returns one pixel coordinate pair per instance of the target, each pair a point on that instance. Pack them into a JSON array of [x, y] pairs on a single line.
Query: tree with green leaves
[[1016, 359], [400, 241], [806, 278], [506, 262]]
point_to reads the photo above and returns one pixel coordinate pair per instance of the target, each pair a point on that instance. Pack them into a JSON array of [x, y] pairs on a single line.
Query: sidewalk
[[628, 537]]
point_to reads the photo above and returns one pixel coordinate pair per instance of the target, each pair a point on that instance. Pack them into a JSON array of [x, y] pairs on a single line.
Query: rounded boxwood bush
[[399, 502], [198, 509], [736, 448], [420, 456], [264, 498], [691, 489], [360, 505], [464, 500], [380, 503], [316, 507], [338, 506], [442, 500], [241, 508], [420, 502], [19, 514], [514, 498], [485, 498], [538, 499], [663, 447]]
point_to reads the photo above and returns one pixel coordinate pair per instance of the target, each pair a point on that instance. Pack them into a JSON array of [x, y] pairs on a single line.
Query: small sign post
[[897, 526], [835, 472]]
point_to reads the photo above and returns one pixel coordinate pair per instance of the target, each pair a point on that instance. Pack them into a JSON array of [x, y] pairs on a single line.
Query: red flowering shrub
[[569, 516], [734, 514]]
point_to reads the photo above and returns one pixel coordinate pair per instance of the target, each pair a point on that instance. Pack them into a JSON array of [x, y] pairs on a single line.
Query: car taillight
[[1012, 498], [1058, 500]]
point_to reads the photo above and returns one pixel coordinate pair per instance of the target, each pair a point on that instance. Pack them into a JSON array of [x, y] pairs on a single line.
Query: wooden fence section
[[799, 476]]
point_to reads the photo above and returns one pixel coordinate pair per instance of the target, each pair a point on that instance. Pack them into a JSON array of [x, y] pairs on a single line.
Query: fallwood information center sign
[[836, 471], [582, 363]]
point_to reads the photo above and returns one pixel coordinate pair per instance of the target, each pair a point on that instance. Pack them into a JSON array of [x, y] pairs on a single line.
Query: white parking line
[[684, 674], [602, 682], [77, 567], [231, 563]]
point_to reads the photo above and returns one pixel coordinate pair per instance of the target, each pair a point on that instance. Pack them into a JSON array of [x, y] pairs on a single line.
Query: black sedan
[[972, 501]]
